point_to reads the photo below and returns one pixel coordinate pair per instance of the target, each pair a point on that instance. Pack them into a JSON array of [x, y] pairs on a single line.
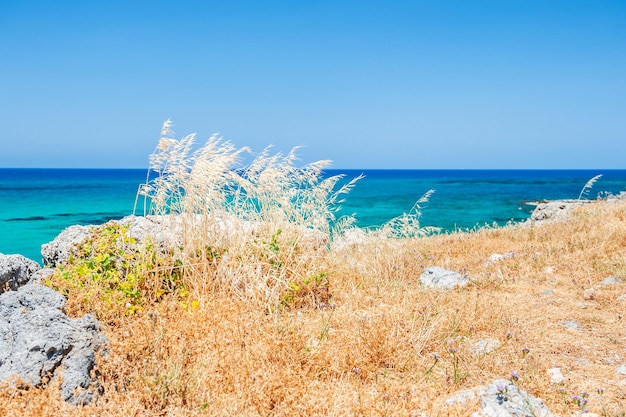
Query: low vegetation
[[272, 307]]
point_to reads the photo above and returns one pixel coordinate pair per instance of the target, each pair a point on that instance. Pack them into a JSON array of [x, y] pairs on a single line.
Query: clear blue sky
[[368, 84]]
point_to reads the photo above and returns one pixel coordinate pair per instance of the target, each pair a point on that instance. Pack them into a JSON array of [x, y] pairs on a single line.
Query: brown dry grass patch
[[372, 351]]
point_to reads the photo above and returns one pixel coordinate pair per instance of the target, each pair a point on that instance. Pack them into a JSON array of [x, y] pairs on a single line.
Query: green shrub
[[111, 272]]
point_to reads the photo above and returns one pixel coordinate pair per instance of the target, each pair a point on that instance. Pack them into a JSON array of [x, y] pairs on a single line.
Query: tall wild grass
[[257, 227], [375, 342]]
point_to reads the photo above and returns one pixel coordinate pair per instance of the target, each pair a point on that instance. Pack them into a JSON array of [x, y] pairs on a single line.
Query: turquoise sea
[[37, 204]]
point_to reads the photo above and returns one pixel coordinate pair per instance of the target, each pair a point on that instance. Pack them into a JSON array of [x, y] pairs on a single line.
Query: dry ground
[[384, 346]]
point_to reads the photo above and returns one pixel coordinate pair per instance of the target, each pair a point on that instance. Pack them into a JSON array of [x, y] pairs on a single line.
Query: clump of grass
[[369, 340], [212, 182], [268, 219]]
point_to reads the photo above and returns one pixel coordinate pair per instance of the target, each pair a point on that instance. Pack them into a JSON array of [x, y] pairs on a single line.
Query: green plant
[[312, 290], [112, 272]]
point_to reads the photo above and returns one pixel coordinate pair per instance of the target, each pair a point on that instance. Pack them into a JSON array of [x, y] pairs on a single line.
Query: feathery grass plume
[[386, 345], [588, 186], [255, 228], [408, 225], [270, 189]]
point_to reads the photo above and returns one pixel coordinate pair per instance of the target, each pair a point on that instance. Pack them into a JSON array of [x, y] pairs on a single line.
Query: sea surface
[[37, 204]]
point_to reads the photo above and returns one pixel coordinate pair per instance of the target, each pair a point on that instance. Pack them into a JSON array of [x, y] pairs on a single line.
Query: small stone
[[556, 377], [443, 279], [571, 325], [621, 370], [547, 292], [611, 281], [485, 346], [497, 257], [589, 294], [503, 398]]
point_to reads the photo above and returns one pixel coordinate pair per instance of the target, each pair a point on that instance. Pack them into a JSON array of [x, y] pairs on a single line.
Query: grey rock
[[621, 370], [550, 211], [467, 395], [41, 275], [165, 231], [505, 399], [39, 342], [58, 251], [485, 346], [571, 325], [440, 278], [15, 271], [583, 362], [158, 228], [497, 257], [556, 376], [611, 281]]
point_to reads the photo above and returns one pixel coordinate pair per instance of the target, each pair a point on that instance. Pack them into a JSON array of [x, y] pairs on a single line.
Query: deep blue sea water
[[37, 204]]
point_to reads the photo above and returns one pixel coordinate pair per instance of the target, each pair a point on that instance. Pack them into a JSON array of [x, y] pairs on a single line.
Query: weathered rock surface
[[58, 251], [15, 271], [39, 277], [160, 229], [556, 377], [464, 396], [39, 342], [443, 279], [485, 346], [497, 257], [571, 325], [554, 210], [163, 230], [612, 280], [505, 399]]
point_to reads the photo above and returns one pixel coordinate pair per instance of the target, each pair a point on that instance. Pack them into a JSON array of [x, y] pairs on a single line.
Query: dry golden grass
[[371, 352]]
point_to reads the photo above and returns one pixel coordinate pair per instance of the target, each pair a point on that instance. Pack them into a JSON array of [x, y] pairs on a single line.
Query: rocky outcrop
[[442, 279], [159, 228], [58, 251], [40, 276], [557, 210], [15, 271], [163, 230], [502, 398], [551, 211], [38, 342]]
